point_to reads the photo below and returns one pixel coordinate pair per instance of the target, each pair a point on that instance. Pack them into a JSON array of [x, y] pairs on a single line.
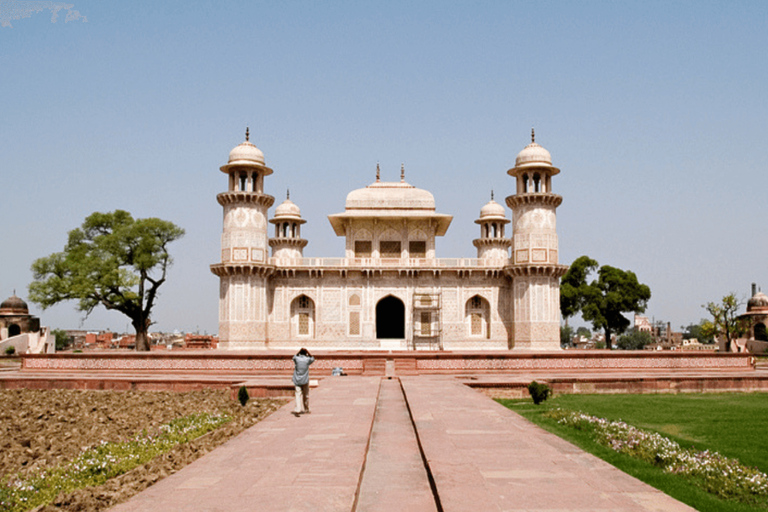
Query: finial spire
[[287, 193], [491, 194], [402, 173], [533, 136], [378, 173], [247, 135]]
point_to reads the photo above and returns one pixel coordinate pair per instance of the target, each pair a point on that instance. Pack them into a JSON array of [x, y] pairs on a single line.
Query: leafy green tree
[[603, 300], [725, 321], [62, 339], [566, 335], [583, 331], [112, 260], [634, 340], [696, 331]]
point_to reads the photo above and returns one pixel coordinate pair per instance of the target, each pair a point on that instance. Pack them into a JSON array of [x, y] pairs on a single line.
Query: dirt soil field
[[46, 428]]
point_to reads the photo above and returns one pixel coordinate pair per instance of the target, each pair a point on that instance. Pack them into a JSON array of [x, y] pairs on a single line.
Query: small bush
[[9, 351], [242, 395], [539, 392]]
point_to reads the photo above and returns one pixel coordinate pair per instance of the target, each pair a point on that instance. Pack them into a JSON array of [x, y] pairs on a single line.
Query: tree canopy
[[112, 260], [634, 340], [603, 300], [725, 321]]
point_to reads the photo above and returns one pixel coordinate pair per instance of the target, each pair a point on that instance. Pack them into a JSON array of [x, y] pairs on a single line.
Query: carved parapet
[[536, 270], [232, 269], [541, 198], [237, 197]]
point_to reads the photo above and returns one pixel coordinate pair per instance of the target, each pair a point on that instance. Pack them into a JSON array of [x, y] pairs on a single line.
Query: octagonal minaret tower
[[534, 265], [244, 265], [287, 243], [492, 244]]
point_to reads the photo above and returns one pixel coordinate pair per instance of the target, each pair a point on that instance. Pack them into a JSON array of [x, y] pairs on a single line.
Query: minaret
[[534, 266], [244, 265], [492, 244], [287, 243]]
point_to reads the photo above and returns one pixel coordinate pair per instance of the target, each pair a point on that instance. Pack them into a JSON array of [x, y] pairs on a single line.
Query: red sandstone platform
[[371, 444], [498, 374]]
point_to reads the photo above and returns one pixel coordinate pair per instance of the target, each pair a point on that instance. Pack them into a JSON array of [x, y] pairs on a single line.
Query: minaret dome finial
[[491, 194], [533, 136], [378, 173], [402, 173], [247, 135], [287, 193]]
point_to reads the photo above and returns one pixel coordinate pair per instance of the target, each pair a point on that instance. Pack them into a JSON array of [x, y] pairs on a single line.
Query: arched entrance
[[390, 318], [13, 330]]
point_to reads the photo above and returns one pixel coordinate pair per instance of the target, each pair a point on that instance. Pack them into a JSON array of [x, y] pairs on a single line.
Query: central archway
[[390, 318]]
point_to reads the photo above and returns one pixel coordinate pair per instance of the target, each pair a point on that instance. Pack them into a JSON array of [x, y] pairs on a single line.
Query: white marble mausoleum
[[389, 290]]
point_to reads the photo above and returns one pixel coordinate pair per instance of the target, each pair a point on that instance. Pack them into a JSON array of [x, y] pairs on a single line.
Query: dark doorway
[[13, 330], [390, 318], [760, 333]]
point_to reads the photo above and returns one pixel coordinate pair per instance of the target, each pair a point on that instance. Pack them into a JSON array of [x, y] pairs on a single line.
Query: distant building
[[15, 318], [757, 319], [21, 330]]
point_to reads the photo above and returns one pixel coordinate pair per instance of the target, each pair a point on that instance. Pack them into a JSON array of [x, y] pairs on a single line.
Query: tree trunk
[[608, 339], [142, 337]]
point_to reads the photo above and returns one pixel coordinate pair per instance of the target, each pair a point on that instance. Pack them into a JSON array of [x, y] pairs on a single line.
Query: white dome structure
[[246, 154]]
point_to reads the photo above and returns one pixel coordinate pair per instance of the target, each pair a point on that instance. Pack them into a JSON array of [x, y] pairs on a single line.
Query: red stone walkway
[[358, 451]]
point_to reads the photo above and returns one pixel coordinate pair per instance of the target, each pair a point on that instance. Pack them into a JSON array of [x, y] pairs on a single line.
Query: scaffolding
[[427, 321]]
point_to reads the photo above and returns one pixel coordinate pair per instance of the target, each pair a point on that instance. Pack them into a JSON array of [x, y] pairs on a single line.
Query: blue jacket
[[301, 370]]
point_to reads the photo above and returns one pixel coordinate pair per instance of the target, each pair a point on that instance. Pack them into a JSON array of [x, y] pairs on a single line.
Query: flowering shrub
[[97, 464], [719, 475]]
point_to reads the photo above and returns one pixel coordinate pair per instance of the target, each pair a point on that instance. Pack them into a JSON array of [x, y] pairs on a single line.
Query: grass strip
[[689, 417], [106, 460]]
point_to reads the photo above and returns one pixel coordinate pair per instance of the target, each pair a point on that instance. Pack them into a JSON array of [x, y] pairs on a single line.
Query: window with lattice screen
[[303, 324], [426, 323], [363, 249], [476, 324], [417, 249], [389, 249], [354, 323]]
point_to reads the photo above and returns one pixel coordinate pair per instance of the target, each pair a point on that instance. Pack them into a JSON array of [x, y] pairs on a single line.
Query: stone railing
[[400, 263]]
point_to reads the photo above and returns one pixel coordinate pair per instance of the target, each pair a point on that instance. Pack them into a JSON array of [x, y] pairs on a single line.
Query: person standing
[[301, 362]]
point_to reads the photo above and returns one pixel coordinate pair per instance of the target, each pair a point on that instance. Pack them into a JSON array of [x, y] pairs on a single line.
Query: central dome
[[390, 196]]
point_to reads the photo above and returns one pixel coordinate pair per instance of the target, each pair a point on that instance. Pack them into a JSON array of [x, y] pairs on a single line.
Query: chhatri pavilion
[[389, 290]]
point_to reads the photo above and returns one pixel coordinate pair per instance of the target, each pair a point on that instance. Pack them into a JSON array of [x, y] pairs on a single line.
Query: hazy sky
[[656, 113]]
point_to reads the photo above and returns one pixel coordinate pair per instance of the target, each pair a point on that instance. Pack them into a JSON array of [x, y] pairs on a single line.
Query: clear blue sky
[[656, 113]]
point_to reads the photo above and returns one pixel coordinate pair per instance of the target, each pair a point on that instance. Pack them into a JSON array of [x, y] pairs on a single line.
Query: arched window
[[536, 183], [477, 314], [13, 330], [760, 333], [303, 316], [285, 230], [525, 183]]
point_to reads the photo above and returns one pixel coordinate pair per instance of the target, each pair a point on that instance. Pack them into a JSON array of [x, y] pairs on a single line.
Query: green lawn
[[735, 425]]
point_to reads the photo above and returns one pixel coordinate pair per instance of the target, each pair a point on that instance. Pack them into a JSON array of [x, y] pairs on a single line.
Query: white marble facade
[[389, 290]]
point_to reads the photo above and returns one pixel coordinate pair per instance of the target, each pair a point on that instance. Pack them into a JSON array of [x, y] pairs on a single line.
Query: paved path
[[358, 452]]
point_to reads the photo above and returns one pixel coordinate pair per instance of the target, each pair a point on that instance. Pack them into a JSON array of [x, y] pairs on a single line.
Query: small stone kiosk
[[15, 318]]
